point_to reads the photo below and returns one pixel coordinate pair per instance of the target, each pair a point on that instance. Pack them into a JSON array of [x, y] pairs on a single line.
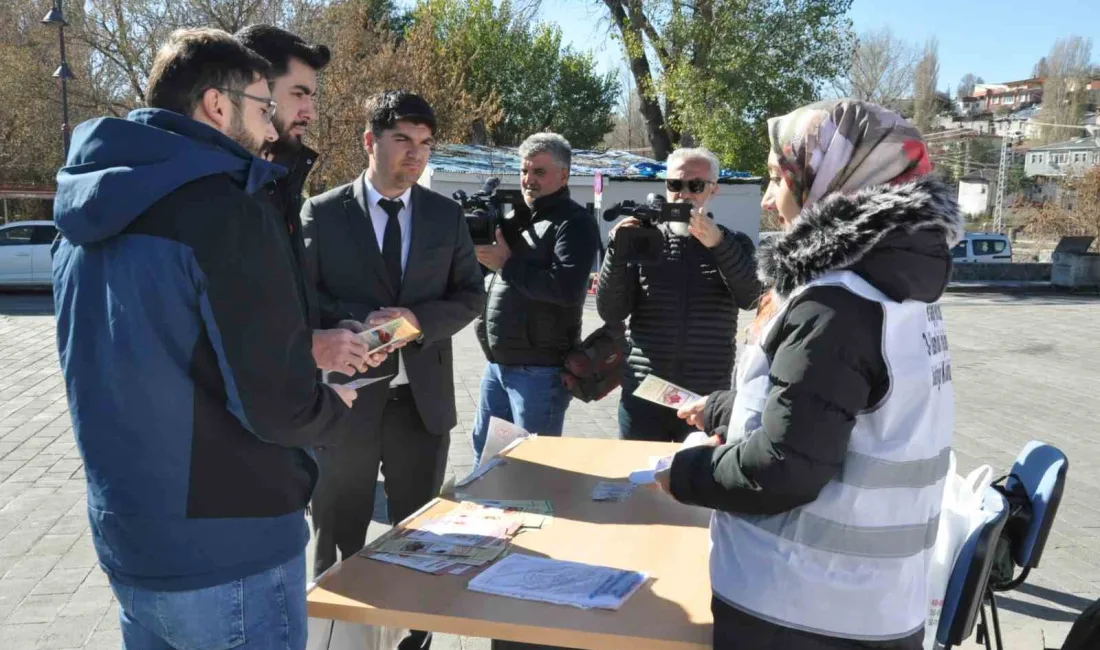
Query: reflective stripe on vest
[[853, 562]]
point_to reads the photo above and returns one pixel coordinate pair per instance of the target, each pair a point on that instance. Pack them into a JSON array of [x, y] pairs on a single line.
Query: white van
[[992, 248]]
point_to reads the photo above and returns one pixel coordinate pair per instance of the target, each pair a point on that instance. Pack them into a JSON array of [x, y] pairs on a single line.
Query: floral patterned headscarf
[[845, 145]]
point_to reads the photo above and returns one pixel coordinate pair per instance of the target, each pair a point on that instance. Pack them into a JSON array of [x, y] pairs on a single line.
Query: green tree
[[725, 66], [540, 85], [583, 101]]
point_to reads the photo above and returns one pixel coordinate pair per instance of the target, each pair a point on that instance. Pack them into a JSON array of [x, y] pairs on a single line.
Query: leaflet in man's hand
[[661, 392], [363, 381], [388, 334]]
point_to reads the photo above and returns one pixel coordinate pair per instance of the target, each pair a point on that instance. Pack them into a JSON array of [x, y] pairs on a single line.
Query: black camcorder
[[485, 210], [644, 245]]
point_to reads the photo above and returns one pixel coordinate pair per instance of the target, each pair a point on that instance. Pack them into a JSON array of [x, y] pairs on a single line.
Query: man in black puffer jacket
[[682, 311], [540, 279]]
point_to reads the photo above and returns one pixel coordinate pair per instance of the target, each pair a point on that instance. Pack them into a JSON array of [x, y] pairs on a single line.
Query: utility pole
[[1002, 177]]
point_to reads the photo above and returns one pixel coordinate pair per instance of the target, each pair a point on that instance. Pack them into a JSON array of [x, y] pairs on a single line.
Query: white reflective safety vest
[[853, 563]]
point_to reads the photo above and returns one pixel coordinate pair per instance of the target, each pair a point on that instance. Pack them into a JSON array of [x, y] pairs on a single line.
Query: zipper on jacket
[[682, 333], [485, 317]]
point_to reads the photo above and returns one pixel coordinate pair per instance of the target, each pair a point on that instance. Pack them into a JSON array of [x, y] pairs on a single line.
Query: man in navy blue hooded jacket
[[187, 359]]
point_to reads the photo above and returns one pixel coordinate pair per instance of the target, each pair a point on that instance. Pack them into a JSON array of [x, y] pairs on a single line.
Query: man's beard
[[241, 136], [287, 144]]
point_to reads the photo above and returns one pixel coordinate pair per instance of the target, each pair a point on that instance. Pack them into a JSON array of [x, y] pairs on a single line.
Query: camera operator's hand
[[629, 222], [704, 229], [494, 257]]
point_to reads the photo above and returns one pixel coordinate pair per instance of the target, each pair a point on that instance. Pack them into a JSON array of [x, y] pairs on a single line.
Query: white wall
[[973, 197], [736, 206]]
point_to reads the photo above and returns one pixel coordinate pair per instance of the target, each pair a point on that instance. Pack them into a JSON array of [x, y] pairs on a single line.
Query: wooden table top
[[648, 532]]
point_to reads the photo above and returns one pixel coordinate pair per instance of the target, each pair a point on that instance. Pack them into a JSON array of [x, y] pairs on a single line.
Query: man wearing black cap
[[377, 248]]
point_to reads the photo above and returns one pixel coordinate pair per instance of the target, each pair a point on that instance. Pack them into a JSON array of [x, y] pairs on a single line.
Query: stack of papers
[[558, 582], [470, 535], [533, 513], [434, 565]]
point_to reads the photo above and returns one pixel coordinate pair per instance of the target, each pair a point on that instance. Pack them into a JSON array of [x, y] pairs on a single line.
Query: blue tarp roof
[[479, 159]]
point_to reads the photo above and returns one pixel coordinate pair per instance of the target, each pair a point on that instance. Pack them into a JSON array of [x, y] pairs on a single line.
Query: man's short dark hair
[[195, 60], [386, 109], [278, 46]]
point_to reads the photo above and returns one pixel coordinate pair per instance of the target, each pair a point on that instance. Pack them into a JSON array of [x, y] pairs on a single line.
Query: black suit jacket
[[442, 287]]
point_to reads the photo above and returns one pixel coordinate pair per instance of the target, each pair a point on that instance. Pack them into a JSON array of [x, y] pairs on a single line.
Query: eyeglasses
[[695, 185], [269, 113]]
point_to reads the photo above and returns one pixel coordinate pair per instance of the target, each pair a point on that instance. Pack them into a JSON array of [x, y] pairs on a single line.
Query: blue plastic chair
[[1039, 473], [968, 586], [1034, 491]]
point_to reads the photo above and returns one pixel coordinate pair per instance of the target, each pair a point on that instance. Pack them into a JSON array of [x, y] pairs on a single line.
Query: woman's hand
[[693, 413]]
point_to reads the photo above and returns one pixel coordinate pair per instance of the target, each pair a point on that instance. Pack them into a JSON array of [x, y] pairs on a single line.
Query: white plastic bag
[[959, 513], [325, 634]]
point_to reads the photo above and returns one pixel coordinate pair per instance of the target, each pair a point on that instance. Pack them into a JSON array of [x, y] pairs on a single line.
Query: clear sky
[[998, 40]]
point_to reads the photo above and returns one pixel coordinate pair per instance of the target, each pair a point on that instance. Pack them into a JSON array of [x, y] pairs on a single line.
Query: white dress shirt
[[379, 218]]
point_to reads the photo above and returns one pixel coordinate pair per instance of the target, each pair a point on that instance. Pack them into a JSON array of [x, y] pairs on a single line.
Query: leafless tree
[[925, 80], [1041, 69], [630, 130], [1065, 88], [882, 69], [967, 83]]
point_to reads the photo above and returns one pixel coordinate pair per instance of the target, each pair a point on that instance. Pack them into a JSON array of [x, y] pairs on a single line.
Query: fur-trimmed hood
[[897, 237]]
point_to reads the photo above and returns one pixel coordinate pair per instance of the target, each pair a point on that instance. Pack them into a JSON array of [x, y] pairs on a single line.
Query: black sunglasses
[[695, 185]]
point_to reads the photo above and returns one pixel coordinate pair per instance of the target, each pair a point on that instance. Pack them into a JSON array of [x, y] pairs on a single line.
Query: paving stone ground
[[1024, 367]]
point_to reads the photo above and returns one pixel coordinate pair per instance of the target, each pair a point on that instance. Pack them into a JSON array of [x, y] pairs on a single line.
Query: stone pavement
[[1024, 367]]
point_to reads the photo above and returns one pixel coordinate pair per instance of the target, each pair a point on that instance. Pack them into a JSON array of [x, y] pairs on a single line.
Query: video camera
[[644, 245], [486, 209]]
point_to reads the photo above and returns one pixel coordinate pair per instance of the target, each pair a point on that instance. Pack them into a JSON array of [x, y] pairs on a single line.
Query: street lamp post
[[63, 72]]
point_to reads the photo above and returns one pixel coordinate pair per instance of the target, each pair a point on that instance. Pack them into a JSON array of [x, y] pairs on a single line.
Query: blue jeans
[[265, 611], [531, 397]]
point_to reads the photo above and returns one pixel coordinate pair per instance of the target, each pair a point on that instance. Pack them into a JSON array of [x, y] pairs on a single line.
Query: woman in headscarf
[[827, 473]]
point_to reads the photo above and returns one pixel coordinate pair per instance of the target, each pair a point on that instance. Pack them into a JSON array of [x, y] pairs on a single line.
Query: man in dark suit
[[380, 247]]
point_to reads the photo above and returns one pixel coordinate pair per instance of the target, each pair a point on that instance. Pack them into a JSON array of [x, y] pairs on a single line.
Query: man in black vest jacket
[[682, 311], [536, 293], [293, 80]]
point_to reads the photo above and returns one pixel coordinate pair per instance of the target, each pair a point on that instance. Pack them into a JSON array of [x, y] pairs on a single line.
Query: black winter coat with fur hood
[[826, 350], [826, 365]]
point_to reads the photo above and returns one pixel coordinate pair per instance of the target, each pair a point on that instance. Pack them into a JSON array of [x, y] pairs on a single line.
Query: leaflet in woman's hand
[[661, 392]]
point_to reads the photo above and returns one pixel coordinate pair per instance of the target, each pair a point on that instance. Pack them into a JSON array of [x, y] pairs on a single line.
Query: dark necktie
[[391, 241]]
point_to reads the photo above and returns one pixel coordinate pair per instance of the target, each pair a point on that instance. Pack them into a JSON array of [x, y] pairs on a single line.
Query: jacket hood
[[118, 168], [897, 237]]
